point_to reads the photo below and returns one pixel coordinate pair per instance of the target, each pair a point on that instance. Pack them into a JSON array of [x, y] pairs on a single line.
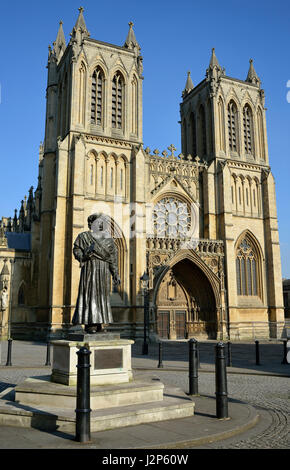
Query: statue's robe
[[93, 301]]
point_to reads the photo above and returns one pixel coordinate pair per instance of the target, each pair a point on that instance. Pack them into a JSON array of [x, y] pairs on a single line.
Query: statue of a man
[[98, 257]]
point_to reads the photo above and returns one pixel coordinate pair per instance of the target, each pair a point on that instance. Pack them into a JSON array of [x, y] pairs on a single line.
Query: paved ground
[[259, 400]]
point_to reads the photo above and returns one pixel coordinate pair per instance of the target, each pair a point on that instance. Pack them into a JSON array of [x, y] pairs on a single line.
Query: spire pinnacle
[[81, 21], [80, 26], [59, 44], [214, 61], [252, 76], [188, 86], [213, 73], [131, 41]]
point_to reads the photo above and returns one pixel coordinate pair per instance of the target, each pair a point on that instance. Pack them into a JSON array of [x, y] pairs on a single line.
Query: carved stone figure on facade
[[97, 253], [4, 299]]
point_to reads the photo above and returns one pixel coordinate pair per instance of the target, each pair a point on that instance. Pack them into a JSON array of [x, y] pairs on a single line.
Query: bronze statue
[[97, 253]]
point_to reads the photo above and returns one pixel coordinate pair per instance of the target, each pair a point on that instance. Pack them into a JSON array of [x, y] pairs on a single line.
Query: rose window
[[171, 218]]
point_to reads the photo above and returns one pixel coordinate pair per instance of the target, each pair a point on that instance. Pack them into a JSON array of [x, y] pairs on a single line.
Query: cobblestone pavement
[[270, 395]]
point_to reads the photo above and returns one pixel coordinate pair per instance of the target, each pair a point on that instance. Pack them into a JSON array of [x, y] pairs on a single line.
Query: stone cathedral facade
[[201, 224]]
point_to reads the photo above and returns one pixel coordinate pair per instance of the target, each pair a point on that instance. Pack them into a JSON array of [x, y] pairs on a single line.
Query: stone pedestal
[[116, 399], [110, 359]]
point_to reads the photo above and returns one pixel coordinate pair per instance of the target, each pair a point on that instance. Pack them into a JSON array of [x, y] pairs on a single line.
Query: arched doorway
[[185, 303]]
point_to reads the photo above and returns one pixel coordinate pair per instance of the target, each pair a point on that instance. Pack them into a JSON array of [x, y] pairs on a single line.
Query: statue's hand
[[89, 251]]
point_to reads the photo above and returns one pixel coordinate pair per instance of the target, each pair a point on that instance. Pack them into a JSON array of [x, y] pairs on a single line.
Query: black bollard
[[193, 370], [83, 432], [9, 352], [197, 355], [160, 365], [221, 383], [284, 361], [257, 353], [229, 354], [48, 363]]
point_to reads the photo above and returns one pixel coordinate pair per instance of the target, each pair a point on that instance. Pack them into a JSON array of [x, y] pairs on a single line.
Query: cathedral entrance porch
[[185, 303]]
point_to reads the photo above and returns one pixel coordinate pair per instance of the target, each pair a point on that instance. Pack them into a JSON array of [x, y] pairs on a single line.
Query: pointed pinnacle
[[131, 41]]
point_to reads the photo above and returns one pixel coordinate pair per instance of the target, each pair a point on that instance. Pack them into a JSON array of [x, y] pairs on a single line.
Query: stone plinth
[[42, 392], [110, 359]]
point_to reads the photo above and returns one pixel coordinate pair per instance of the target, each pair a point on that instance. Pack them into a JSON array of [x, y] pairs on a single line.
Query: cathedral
[[196, 233]]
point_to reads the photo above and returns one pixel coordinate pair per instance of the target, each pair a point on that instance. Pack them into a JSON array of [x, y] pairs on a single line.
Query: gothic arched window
[[193, 134], [221, 119], [171, 218], [202, 131], [118, 85], [97, 97], [247, 268], [261, 134], [184, 132], [82, 94], [134, 106], [248, 130], [233, 126]]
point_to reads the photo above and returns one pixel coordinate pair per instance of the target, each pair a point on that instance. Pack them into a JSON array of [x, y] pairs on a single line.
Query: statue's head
[[98, 223]]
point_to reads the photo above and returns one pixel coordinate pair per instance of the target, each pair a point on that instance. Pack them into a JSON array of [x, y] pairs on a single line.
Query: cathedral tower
[[223, 122], [91, 156]]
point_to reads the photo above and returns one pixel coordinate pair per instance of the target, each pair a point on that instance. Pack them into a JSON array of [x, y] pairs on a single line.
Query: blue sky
[[175, 37]]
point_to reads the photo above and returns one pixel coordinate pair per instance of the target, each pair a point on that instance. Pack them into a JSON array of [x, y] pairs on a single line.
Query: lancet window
[[97, 97], [233, 126], [261, 134], [248, 130], [118, 101]]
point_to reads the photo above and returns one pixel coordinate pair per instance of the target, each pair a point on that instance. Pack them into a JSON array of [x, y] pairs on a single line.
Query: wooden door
[[180, 324], [163, 324]]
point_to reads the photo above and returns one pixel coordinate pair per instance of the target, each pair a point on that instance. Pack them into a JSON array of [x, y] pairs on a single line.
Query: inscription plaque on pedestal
[[108, 359]]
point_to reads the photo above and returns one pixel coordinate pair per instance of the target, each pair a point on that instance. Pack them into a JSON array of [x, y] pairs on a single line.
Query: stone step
[[175, 404], [41, 391]]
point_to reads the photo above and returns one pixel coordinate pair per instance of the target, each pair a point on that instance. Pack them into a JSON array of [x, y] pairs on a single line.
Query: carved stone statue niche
[[97, 253]]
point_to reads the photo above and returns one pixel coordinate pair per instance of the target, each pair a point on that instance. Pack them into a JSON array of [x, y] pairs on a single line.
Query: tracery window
[[117, 101], [171, 218], [233, 126], [97, 97], [246, 268], [248, 130]]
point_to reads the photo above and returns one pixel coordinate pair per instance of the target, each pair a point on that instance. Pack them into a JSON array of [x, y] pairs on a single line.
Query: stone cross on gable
[[172, 149]]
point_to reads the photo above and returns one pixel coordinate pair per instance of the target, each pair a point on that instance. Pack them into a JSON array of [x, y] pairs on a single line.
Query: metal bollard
[[257, 353], [48, 363], [221, 383], [9, 353], [160, 365], [197, 355], [229, 354], [284, 361], [83, 423], [193, 370]]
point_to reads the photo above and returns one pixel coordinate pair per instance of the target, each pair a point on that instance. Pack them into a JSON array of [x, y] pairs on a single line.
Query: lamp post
[[145, 285]]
